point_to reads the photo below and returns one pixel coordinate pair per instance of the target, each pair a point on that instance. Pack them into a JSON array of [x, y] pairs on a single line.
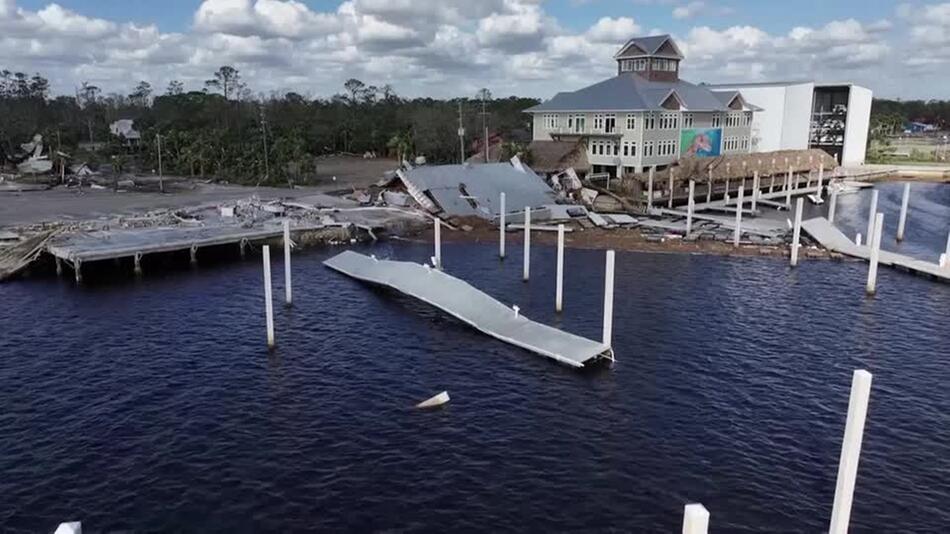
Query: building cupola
[[656, 58]]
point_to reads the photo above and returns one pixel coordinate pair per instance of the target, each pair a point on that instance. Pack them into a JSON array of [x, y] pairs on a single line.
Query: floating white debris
[[74, 527], [438, 400]]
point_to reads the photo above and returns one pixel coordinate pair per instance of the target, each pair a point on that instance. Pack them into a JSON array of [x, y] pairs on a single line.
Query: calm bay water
[[153, 405]]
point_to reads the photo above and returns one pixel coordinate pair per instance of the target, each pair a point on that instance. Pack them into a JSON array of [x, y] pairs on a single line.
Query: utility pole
[[485, 124], [461, 136], [264, 132], [161, 177]]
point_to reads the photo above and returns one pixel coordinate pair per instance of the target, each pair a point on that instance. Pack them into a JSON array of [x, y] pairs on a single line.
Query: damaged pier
[[472, 306]]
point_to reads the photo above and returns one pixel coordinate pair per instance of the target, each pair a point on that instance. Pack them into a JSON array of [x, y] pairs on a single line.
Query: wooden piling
[[609, 299], [755, 189], [527, 242], [850, 451], [669, 203], [875, 244], [501, 228], [709, 186], [650, 189], [695, 519], [559, 290], [905, 202], [438, 243], [689, 208], [288, 289], [797, 230], [737, 232], [871, 213], [268, 298], [833, 205]]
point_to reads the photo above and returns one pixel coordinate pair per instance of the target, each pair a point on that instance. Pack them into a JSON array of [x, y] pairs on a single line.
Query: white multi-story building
[[645, 116], [800, 115]]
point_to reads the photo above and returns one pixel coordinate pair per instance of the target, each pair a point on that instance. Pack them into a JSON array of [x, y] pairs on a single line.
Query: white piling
[[833, 205], [609, 299], [875, 243], [797, 230], [857, 239], [850, 451], [527, 242], [695, 519], [288, 289], [788, 189], [821, 178], [650, 189], [903, 220], [725, 195], [771, 183], [501, 228], [689, 208], [438, 243], [268, 298], [871, 213], [947, 253], [669, 203], [559, 291], [755, 189], [737, 232]]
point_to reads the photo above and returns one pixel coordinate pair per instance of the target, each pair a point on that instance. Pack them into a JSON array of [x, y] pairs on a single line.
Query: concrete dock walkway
[[472, 306]]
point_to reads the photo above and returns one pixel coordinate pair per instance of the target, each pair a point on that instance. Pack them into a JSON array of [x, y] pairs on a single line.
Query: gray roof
[[631, 92], [649, 44], [455, 188]]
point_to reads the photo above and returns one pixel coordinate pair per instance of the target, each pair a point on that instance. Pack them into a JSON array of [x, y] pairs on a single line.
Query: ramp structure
[[834, 240], [472, 306]]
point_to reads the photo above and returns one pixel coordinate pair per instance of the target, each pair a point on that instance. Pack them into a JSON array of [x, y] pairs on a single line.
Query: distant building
[[800, 115], [125, 129], [646, 115]]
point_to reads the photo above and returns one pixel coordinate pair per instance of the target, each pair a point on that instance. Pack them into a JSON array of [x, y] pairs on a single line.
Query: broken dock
[[831, 238], [472, 306]]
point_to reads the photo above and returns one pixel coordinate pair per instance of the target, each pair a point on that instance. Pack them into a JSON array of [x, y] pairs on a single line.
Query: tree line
[[888, 117], [227, 131]]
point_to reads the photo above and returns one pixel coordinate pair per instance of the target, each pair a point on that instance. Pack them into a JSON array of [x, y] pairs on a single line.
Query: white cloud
[[448, 47]]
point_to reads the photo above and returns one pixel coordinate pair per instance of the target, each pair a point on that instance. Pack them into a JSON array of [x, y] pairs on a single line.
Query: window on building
[[647, 149], [640, 65], [630, 148], [576, 123], [747, 118], [550, 121], [669, 121], [687, 120], [631, 121], [716, 120], [599, 122], [649, 121], [610, 123]]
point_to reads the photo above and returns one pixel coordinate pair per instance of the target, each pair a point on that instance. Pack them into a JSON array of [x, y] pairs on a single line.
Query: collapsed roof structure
[[474, 190]]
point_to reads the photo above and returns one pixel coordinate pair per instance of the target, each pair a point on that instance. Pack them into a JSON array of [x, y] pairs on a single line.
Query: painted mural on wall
[[701, 142]]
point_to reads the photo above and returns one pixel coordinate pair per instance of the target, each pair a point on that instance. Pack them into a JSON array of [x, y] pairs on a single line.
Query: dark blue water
[[155, 406]]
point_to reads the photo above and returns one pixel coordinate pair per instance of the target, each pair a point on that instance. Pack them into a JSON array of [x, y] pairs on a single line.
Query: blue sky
[[443, 47]]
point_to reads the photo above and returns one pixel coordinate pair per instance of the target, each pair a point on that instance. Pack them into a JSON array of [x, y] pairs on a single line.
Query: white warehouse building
[[800, 115]]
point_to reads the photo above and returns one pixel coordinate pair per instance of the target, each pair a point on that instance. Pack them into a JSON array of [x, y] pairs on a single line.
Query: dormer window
[[633, 65], [656, 58]]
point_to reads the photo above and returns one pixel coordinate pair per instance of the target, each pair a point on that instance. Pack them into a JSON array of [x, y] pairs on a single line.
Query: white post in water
[[268, 298], [559, 291], [821, 178], [527, 242], [438, 243], [609, 299], [947, 253], [501, 228], [850, 451], [797, 230], [871, 213], [857, 239], [875, 244], [903, 220], [689, 208], [833, 205], [650, 190], [737, 232], [695, 519], [288, 289]]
